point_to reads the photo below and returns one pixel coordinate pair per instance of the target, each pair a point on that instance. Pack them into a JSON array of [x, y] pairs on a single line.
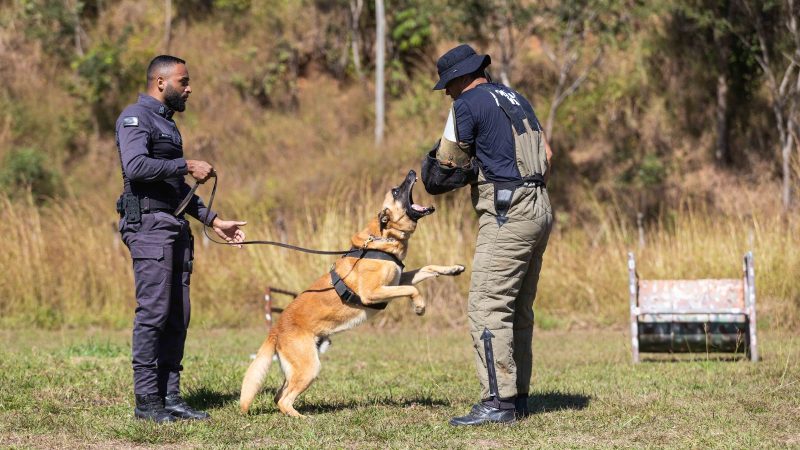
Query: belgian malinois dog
[[321, 311]]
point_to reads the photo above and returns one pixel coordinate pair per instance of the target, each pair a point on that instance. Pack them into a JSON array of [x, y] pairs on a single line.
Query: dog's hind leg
[[279, 392], [300, 364]]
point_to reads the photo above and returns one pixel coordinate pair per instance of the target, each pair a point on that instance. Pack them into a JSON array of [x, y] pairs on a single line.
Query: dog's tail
[[257, 372]]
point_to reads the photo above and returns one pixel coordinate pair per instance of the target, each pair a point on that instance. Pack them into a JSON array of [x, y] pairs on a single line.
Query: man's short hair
[[480, 73], [161, 63]]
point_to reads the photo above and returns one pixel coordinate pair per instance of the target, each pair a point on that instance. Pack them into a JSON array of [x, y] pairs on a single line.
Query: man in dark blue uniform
[[494, 142], [160, 243]]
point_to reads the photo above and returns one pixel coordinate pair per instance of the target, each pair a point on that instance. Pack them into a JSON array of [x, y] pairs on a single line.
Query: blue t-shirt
[[481, 123]]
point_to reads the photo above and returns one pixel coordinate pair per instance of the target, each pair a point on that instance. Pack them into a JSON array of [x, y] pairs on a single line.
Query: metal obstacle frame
[[709, 315], [268, 308]]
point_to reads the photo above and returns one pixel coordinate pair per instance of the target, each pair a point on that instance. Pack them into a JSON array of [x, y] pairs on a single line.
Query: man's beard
[[174, 100]]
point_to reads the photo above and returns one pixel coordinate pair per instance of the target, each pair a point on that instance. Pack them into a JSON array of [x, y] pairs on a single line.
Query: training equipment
[[450, 152], [711, 315]]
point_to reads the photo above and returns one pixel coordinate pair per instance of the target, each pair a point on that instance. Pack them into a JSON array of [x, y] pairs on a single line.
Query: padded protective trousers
[[161, 247], [505, 272]]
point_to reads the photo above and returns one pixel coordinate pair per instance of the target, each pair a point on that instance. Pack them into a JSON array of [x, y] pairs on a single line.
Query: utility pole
[[380, 50], [167, 25]]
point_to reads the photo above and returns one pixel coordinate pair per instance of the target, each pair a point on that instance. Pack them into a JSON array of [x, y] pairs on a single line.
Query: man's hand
[[199, 170], [229, 230]]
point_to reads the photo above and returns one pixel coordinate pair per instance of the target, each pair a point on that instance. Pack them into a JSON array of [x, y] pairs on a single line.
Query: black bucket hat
[[459, 61]]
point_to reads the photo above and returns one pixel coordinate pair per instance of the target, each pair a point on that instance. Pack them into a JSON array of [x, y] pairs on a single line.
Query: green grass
[[397, 388]]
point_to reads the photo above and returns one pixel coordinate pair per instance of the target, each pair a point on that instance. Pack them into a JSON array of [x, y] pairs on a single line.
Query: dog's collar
[[372, 238]]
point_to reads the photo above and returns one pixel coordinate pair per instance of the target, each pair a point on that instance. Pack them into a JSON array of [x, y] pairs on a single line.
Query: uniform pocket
[[147, 252], [166, 148], [151, 272]]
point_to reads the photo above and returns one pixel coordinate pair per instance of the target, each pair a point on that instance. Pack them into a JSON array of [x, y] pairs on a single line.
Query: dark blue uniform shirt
[[481, 123], [151, 152]]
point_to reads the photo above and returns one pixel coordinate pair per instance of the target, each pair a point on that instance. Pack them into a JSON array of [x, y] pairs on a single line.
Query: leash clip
[[371, 238]]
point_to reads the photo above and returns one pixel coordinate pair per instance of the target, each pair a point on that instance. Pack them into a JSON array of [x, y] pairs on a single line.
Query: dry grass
[[63, 263]]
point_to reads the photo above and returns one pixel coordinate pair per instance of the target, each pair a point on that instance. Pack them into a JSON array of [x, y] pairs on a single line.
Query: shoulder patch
[[130, 121]]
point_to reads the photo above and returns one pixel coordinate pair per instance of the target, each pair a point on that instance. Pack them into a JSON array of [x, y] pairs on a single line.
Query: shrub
[[26, 170]]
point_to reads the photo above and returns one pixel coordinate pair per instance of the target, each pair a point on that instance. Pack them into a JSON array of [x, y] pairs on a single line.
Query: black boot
[[521, 406], [151, 407], [176, 406], [486, 412]]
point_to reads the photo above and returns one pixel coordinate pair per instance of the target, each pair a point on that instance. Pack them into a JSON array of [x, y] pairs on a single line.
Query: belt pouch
[[133, 212], [502, 202]]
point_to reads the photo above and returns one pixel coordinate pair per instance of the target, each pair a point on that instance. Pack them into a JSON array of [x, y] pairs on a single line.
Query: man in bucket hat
[[494, 142]]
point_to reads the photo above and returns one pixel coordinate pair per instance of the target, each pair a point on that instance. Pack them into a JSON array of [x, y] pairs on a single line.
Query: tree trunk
[[167, 25], [722, 152], [786, 157], [723, 43], [355, 15], [505, 40], [78, 31], [380, 49], [551, 118]]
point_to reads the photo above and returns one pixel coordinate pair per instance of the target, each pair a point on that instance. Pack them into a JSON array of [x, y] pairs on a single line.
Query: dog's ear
[[383, 218]]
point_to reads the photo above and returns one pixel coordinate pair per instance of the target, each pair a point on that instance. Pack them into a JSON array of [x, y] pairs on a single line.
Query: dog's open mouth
[[415, 211]]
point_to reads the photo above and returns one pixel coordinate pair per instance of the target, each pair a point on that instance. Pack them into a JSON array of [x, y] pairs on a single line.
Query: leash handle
[[274, 243], [185, 202]]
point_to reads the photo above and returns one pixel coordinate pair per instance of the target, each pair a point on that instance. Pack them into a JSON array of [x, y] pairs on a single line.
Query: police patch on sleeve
[[130, 121]]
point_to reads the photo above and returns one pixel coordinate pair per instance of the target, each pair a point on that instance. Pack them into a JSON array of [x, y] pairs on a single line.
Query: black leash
[[277, 244]]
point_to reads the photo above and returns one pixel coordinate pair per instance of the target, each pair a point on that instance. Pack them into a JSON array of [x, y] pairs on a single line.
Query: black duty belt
[[146, 204], [348, 295], [151, 205]]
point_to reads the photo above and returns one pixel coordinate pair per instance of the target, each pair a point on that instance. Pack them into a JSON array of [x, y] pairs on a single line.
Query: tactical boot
[[176, 406], [485, 412], [151, 407], [521, 406]]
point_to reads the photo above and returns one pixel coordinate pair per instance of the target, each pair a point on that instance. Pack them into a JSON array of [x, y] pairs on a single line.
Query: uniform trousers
[[505, 273], [162, 248]]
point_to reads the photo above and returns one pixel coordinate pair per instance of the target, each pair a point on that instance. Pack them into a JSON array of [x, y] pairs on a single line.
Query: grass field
[[397, 388]]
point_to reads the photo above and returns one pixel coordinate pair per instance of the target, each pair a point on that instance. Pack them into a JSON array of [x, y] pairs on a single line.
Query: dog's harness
[[348, 295], [345, 293]]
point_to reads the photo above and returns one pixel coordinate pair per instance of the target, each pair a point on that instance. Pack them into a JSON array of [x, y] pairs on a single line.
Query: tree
[[356, 6], [715, 75], [572, 24], [779, 59], [575, 36], [504, 23]]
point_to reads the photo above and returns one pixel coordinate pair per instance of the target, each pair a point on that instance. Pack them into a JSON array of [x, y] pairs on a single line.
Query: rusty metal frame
[[268, 308], [633, 289], [742, 311], [750, 304]]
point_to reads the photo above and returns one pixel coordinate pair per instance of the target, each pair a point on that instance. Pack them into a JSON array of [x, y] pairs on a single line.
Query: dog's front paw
[[456, 270]]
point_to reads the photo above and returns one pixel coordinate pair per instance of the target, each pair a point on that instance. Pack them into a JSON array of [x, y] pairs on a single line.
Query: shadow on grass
[[316, 408], [556, 401], [206, 398], [696, 357]]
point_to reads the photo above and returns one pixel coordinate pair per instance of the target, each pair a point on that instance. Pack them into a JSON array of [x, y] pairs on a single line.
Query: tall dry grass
[[63, 264]]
